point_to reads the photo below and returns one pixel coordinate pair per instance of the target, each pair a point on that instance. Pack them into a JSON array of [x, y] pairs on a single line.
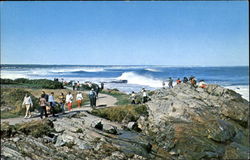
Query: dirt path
[[103, 101]]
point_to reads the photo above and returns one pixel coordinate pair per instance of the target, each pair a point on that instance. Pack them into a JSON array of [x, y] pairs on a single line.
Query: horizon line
[[130, 65]]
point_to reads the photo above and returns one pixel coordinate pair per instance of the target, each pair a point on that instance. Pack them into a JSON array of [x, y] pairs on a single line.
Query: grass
[[12, 98], [121, 113], [122, 98]]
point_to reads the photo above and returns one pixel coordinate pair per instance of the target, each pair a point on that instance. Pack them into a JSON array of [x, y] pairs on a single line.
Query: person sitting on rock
[[132, 97], [170, 82], [178, 81], [193, 81], [163, 84], [202, 84]]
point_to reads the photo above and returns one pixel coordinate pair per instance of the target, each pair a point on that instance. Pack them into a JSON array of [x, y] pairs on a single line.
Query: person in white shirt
[[79, 99], [133, 97], [69, 99], [28, 103], [52, 103], [144, 96]]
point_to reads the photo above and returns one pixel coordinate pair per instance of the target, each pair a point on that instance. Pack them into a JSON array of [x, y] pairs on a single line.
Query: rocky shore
[[182, 123]]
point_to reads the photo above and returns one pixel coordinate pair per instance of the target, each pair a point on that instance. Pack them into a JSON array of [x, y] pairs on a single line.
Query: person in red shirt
[[178, 81]]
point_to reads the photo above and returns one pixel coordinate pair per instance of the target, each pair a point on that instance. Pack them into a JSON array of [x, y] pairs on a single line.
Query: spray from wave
[[134, 78], [152, 70]]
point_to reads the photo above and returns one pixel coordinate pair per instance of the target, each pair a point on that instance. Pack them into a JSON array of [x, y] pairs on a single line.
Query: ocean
[[137, 76]]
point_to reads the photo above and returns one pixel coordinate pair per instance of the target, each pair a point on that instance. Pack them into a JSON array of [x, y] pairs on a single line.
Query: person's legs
[[78, 103], [91, 102], [94, 100], [45, 111], [62, 107], [41, 111], [52, 109], [27, 110]]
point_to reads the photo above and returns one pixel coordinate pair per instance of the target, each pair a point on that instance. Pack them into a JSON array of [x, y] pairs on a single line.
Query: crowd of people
[[47, 102], [192, 80], [144, 95]]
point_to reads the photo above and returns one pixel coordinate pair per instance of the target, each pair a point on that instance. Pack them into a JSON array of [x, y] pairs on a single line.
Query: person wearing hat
[[92, 97]]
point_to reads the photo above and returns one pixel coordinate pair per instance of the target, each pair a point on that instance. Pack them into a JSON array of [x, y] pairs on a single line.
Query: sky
[[204, 33]]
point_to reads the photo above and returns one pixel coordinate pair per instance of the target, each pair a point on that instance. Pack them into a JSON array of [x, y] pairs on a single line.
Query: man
[[102, 86], [52, 103], [170, 82], [92, 98], [144, 96], [133, 97]]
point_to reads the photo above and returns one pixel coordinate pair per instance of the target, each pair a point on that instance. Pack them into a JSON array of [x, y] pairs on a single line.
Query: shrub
[[122, 113], [122, 98], [7, 81]]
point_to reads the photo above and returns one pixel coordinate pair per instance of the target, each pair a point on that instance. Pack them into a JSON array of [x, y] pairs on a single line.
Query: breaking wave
[[134, 78]]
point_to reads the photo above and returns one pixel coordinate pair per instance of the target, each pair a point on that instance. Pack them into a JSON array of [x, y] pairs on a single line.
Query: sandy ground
[[103, 101]]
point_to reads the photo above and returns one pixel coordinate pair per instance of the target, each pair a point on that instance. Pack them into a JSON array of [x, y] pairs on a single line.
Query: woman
[[42, 103], [69, 99], [79, 99], [27, 102], [62, 102]]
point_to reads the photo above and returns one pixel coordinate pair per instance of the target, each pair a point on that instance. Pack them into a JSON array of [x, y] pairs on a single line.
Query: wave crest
[[134, 78]]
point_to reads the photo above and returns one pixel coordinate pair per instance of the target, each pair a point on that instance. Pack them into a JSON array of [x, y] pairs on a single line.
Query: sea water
[[137, 76]]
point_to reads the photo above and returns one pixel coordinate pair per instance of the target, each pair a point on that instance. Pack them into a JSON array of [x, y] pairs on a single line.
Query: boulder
[[197, 123]]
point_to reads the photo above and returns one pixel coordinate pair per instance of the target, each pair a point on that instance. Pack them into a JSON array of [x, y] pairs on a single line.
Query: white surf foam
[[77, 70], [134, 78], [12, 75], [242, 90], [152, 70]]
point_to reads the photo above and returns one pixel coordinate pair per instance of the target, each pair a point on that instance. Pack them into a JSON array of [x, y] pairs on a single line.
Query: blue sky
[[125, 33]]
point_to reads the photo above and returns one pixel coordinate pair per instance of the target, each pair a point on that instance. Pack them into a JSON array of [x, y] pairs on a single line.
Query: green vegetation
[[11, 102], [36, 128], [121, 113], [35, 83], [122, 98]]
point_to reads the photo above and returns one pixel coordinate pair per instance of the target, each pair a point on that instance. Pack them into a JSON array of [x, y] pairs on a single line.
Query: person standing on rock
[[62, 102], [185, 80], [27, 102], [69, 99], [42, 102], [102, 86], [132, 97], [170, 82], [144, 95], [52, 104], [178, 81], [79, 99], [92, 98]]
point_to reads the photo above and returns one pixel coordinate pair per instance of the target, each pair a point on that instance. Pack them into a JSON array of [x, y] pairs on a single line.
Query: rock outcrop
[[182, 123], [195, 123]]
